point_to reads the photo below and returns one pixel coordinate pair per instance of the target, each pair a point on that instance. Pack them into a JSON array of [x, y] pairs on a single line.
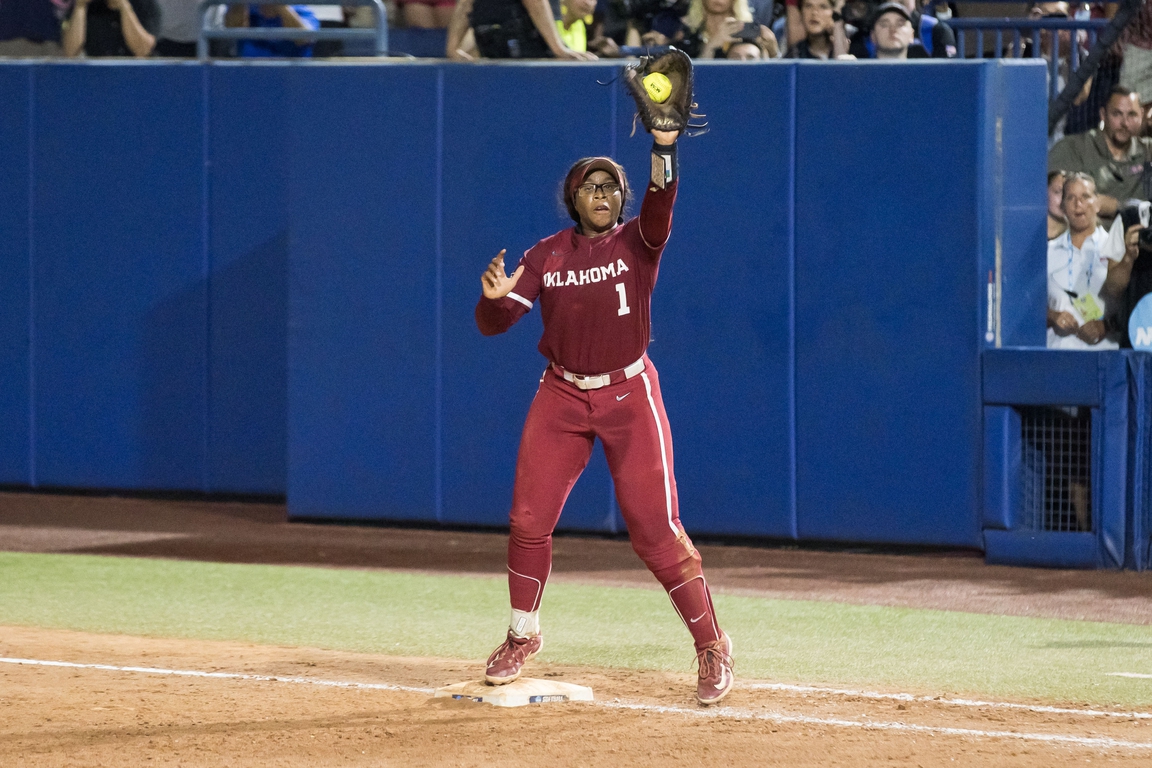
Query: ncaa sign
[[1140, 325]]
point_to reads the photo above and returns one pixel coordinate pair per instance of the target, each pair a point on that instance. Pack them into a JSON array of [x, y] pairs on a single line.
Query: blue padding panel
[[721, 310], [1110, 464], [1139, 545], [1018, 90], [1043, 549], [120, 300], [16, 83], [887, 334], [1002, 467], [1041, 377], [413, 41], [500, 191], [248, 289], [361, 371]]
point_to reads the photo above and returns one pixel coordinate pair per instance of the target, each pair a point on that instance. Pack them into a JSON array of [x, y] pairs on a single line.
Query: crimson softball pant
[[555, 447]]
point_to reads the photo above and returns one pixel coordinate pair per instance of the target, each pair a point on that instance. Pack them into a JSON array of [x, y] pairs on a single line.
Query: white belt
[[601, 380]]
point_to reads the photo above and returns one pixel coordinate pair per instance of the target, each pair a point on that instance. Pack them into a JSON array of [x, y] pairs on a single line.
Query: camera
[[1137, 212]]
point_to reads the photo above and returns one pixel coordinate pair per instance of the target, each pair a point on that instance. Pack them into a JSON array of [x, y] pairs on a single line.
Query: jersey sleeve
[[494, 316], [655, 220]]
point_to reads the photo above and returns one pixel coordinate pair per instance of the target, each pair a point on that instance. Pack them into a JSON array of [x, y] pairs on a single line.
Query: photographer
[[753, 43], [111, 28], [655, 22], [825, 36], [511, 29], [713, 24]]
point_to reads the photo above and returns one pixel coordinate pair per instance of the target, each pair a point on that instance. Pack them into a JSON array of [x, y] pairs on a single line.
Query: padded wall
[[887, 340], [119, 303], [282, 290], [362, 332], [247, 221], [1013, 219], [16, 84]]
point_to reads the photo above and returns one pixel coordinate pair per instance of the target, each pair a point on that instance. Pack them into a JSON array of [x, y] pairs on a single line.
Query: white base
[[526, 690]]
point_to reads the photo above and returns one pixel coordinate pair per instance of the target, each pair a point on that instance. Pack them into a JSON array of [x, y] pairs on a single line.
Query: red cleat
[[505, 663], [716, 677]]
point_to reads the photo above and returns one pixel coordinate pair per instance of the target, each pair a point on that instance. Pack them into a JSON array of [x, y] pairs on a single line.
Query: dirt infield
[[54, 716]]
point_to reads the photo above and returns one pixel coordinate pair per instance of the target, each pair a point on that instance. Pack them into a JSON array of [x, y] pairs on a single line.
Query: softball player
[[594, 283]]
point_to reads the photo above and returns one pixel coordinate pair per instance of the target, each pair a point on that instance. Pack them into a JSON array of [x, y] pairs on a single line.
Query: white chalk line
[[776, 717], [955, 702], [714, 712], [1138, 675], [219, 675]]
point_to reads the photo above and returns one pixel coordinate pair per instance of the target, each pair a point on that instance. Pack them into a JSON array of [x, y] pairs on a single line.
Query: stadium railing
[[378, 34]]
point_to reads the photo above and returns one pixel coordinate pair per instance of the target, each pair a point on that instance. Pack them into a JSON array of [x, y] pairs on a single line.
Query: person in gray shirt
[[1117, 157], [179, 28]]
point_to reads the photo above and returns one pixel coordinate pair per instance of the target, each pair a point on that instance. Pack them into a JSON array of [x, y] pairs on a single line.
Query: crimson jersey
[[595, 293]]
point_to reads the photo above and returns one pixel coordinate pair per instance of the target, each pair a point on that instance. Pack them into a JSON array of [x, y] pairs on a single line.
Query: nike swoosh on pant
[[698, 617], [621, 397]]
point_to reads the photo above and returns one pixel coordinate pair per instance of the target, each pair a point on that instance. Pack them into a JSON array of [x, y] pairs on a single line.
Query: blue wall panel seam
[[32, 275], [438, 396], [612, 150], [791, 218], [206, 270]]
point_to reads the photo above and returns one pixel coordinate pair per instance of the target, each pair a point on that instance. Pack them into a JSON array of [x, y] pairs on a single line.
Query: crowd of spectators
[[1099, 185], [140, 28]]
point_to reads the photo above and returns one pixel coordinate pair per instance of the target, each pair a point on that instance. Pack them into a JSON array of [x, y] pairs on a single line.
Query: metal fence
[[1056, 468], [377, 34]]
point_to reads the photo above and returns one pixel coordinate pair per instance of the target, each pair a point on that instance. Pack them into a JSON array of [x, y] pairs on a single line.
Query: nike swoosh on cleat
[[621, 397]]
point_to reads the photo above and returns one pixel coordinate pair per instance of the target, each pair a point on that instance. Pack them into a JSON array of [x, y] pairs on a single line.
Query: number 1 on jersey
[[624, 308]]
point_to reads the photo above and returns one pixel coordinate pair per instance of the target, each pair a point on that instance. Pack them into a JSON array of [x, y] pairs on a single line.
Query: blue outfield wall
[[261, 277]]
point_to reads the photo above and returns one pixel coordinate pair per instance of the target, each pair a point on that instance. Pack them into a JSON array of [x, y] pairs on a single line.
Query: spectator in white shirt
[[1087, 268]]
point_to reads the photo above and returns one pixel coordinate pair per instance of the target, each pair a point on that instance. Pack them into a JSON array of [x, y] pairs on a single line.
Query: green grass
[[933, 652]]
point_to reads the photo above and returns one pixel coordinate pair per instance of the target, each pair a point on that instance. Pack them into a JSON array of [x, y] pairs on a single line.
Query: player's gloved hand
[[495, 282]]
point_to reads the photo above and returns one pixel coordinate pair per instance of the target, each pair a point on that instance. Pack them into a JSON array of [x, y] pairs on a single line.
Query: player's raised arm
[[661, 86], [656, 210], [500, 306]]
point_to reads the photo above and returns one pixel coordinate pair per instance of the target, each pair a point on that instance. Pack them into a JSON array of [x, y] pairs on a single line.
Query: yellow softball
[[659, 87]]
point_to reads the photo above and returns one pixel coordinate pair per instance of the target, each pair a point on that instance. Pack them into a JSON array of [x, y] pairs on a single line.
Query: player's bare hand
[[495, 282], [667, 138], [1091, 332], [1064, 323]]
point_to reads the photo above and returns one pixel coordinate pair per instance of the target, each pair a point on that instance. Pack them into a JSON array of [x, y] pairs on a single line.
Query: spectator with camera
[[755, 42], [1089, 269], [111, 28], [273, 16], [712, 25], [825, 36], [1116, 157], [655, 22]]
